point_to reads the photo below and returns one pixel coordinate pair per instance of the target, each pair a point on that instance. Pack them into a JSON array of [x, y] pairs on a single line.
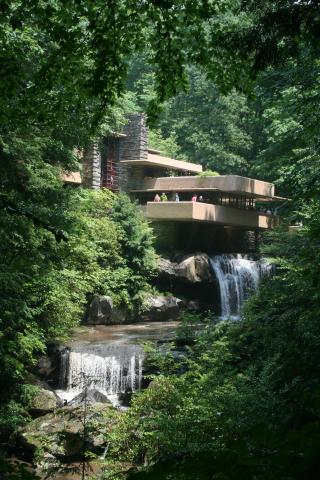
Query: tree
[[289, 152], [136, 245], [45, 289], [211, 129], [246, 403]]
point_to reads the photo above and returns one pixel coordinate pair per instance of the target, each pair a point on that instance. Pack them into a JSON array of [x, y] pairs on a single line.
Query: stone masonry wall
[[91, 167], [133, 147]]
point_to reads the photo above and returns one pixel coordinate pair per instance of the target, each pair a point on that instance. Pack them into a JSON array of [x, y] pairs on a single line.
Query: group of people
[[197, 198], [174, 197], [163, 198]]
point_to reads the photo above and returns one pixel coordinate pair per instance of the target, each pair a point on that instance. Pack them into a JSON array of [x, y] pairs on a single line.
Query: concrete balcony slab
[[233, 184], [154, 160], [205, 212]]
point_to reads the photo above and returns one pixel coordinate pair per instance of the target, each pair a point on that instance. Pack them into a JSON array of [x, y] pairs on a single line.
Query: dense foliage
[[248, 404], [211, 128], [46, 284]]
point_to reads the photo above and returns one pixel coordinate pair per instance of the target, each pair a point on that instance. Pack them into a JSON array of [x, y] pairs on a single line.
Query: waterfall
[[110, 369], [64, 365], [237, 276]]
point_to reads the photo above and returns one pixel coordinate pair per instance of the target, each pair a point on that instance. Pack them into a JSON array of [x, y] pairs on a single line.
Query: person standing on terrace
[[194, 198], [156, 198], [163, 197]]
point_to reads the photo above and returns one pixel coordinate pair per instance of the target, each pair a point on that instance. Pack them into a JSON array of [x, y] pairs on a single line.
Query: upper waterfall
[[237, 276]]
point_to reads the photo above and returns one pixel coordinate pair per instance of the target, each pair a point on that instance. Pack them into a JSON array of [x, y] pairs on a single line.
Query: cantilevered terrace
[[123, 162], [228, 200]]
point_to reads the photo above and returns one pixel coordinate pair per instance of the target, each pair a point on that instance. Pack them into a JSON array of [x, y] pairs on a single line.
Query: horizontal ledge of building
[[260, 198], [165, 162], [191, 190], [71, 177], [233, 184], [206, 212], [154, 151], [190, 202]]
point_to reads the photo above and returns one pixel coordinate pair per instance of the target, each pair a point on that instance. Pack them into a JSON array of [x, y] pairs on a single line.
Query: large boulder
[[44, 401], [44, 366], [161, 308], [120, 315], [60, 435], [100, 310], [193, 268], [166, 267], [46, 372], [90, 397]]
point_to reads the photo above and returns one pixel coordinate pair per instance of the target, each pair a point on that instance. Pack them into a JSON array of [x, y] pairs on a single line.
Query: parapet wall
[[223, 183]]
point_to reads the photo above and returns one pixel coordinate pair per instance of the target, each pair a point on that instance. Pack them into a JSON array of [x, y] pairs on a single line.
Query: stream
[[107, 361]]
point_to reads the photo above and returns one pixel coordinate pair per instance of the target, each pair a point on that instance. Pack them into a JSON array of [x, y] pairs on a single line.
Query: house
[[230, 204]]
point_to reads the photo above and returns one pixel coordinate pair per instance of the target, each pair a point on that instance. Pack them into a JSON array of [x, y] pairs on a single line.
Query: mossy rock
[[61, 433], [44, 401]]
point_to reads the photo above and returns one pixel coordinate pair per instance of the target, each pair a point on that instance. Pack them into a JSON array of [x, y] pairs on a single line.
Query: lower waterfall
[[109, 369], [237, 276]]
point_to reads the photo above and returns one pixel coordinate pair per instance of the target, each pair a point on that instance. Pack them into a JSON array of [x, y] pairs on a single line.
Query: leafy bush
[[136, 246], [46, 284], [208, 173]]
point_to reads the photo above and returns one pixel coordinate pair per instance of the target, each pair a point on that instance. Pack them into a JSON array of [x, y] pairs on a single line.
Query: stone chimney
[[91, 167], [133, 147]]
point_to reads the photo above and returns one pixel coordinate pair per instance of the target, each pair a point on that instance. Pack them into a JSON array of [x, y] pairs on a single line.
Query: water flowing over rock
[[237, 276], [110, 369]]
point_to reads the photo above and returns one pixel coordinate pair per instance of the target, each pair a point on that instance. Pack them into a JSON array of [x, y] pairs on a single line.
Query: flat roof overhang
[[114, 134], [205, 212], [165, 162], [71, 177], [153, 150], [232, 184]]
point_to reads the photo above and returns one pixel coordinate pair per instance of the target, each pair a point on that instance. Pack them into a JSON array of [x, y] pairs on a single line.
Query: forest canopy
[[231, 84]]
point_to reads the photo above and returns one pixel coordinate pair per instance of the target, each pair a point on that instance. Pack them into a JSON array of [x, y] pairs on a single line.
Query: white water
[[108, 359], [237, 276], [112, 370]]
